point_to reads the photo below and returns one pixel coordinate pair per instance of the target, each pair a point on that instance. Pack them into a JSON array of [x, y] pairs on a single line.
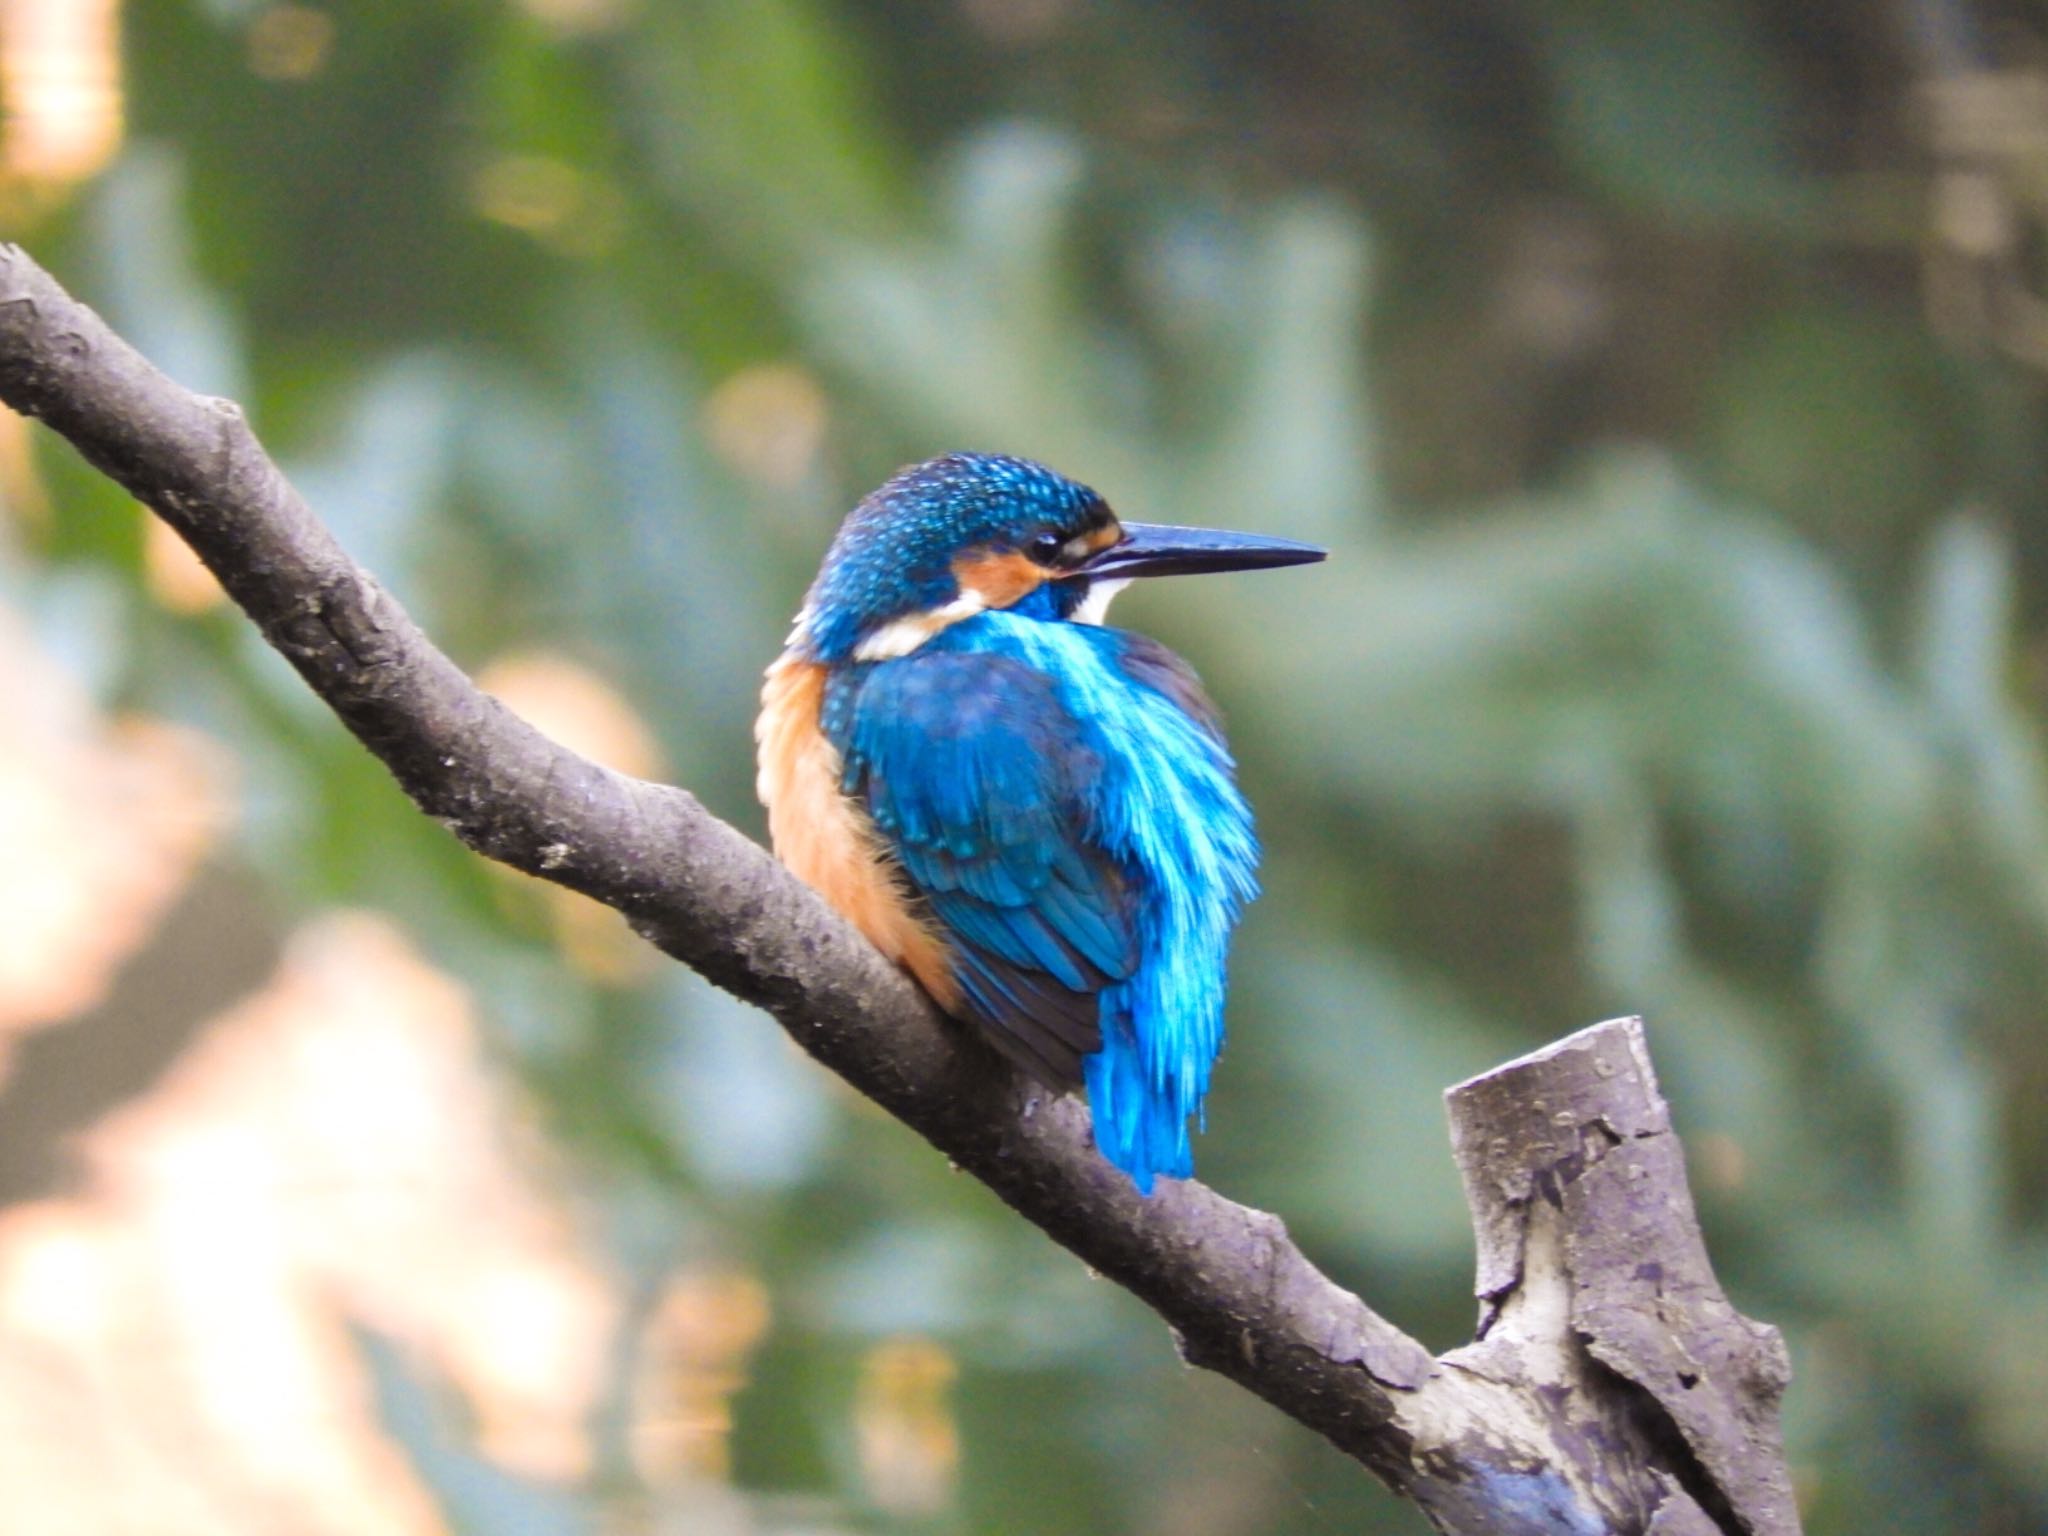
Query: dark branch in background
[[61, 1081], [1613, 1388]]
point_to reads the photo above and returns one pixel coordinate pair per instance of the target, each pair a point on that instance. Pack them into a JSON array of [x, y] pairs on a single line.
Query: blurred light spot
[[743, 1100], [530, 1328], [596, 941], [1016, 22], [101, 835], [176, 577], [290, 42], [550, 199], [692, 1360], [572, 17], [577, 708], [103, 825], [22, 494], [1723, 1165], [1972, 216], [572, 704], [530, 192], [54, 1285], [768, 423], [909, 1445], [60, 79], [1554, 291]]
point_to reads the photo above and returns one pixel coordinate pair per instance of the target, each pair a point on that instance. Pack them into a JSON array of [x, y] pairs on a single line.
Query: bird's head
[[953, 537]]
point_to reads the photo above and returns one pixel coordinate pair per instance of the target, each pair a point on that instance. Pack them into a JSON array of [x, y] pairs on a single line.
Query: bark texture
[[1612, 1388]]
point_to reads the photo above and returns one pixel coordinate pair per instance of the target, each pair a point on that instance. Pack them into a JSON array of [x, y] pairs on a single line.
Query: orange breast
[[827, 839]]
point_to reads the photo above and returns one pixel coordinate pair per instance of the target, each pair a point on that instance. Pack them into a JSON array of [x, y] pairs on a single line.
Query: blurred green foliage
[[1680, 651]]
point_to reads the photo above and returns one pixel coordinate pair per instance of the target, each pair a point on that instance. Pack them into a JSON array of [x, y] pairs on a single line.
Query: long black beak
[[1160, 549]]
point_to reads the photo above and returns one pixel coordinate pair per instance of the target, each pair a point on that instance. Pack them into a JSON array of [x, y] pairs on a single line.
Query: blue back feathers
[[1061, 798]]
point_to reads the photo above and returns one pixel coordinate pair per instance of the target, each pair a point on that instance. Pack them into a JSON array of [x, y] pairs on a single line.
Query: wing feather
[[979, 780]]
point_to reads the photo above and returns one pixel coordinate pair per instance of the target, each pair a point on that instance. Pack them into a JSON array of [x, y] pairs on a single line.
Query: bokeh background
[[1669, 383]]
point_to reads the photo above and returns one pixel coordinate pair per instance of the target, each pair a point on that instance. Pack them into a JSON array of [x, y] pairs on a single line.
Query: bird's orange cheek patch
[[1000, 579]]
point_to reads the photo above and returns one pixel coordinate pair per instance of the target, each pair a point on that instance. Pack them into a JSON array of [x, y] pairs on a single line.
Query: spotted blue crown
[[893, 554]]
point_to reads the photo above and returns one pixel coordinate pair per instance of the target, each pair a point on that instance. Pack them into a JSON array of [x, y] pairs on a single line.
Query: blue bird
[[1034, 814]]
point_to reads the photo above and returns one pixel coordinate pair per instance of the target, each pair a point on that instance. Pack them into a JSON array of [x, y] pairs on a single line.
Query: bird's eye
[[1045, 547]]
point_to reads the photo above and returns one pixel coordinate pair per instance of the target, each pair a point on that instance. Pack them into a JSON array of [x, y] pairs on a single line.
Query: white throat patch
[[899, 637], [1095, 606]]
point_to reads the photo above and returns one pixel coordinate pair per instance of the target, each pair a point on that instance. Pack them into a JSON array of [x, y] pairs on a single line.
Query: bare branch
[[1562, 1419], [1595, 1289]]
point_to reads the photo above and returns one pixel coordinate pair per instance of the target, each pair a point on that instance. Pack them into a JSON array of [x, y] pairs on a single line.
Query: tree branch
[[1612, 1387]]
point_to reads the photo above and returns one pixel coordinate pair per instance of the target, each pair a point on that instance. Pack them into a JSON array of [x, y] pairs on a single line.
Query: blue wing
[[1060, 798], [981, 782]]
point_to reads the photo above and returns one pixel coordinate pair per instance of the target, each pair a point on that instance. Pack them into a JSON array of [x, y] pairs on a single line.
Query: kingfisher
[[1031, 812]]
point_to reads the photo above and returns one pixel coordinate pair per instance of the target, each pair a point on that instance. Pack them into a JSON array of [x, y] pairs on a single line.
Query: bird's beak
[[1160, 549]]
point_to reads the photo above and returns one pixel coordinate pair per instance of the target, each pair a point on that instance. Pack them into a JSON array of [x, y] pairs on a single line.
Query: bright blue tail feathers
[[1142, 1131]]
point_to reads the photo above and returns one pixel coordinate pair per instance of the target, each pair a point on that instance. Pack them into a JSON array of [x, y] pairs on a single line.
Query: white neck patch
[[1095, 606], [899, 637]]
